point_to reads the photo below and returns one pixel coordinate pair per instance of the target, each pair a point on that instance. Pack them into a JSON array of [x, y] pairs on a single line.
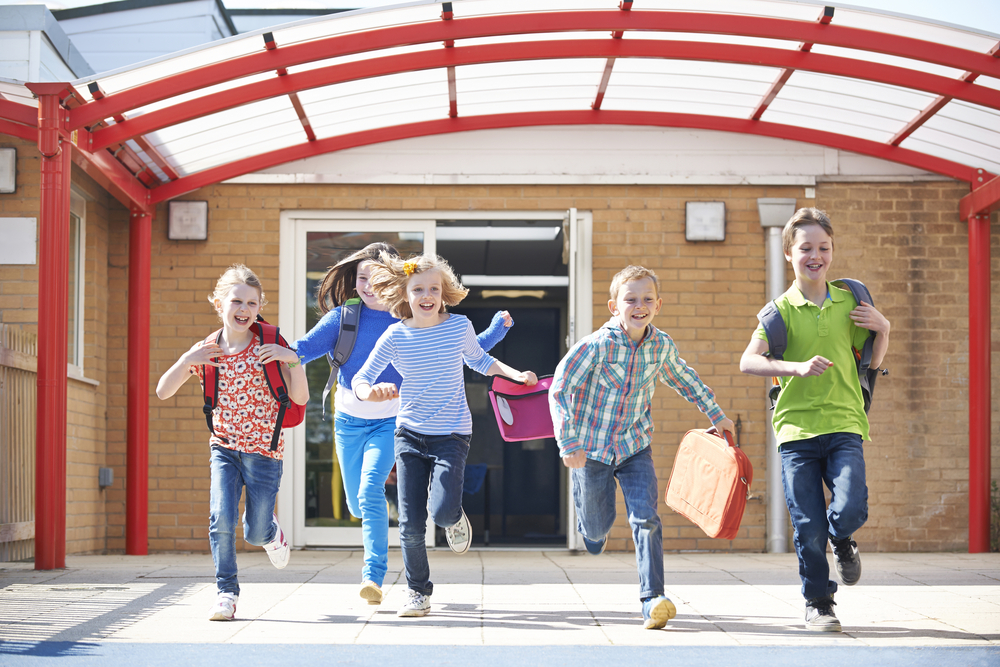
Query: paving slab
[[493, 606]]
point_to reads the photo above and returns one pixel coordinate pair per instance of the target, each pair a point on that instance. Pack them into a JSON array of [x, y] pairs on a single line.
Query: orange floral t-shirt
[[246, 412]]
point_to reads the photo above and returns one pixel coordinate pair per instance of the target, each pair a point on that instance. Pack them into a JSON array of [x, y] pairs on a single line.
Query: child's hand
[[383, 391], [727, 425], [815, 366], [527, 377], [275, 352], [866, 317], [508, 321], [577, 459], [202, 354]]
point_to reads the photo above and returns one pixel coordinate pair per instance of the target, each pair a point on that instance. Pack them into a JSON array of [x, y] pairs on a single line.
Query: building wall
[[87, 433], [903, 240]]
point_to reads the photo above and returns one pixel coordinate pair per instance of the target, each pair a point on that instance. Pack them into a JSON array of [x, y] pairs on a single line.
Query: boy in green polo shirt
[[819, 418]]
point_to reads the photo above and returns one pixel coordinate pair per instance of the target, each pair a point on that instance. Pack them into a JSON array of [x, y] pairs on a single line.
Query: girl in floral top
[[242, 424]]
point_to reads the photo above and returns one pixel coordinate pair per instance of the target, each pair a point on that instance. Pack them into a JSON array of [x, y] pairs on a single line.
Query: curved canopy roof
[[899, 88]]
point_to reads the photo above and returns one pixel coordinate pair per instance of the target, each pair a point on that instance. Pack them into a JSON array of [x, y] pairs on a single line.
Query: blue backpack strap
[[774, 326], [866, 374], [350, 315]]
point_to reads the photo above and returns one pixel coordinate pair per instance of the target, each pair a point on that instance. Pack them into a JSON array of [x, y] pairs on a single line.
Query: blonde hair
[[390, 276], [340, 282], [629, 274], [803, 218], [237, 274]]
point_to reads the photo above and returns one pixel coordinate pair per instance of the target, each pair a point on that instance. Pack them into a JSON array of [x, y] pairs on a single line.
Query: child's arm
[[571, 374], [292, 370], [322, 338], [381, 356], [495, 333], [753, 362], [686, 382], [500, 368], [200, 354], [867, 317]]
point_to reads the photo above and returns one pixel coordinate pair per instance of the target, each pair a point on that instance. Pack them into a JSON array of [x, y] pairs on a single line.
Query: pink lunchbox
[[522, 412]]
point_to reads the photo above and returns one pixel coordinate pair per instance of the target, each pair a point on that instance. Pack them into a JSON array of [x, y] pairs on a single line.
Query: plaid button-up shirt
[[601, 393]]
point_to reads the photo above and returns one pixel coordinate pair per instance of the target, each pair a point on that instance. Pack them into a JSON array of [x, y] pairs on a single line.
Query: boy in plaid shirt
[[600, 403]]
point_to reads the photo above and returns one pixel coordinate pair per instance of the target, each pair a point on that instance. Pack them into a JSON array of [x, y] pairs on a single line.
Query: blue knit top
[[322, 338]]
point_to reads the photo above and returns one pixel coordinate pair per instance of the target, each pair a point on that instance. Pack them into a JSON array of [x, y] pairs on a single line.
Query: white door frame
[[293, 227]]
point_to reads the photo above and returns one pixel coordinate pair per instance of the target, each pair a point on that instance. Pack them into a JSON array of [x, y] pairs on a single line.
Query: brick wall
[[903, 240]]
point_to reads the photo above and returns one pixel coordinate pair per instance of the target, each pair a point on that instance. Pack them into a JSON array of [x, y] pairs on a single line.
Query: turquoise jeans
[[365, 453]]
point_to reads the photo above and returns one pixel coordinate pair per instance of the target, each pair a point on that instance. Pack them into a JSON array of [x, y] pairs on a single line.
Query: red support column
[[53, 296], [137, 473], [979, 382]]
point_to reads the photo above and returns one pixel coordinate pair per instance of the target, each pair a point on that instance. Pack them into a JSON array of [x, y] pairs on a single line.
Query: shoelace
[[457, 532], [844, 550]]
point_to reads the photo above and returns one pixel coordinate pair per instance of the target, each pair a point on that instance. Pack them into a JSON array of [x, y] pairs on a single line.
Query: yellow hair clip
[[409, 267]]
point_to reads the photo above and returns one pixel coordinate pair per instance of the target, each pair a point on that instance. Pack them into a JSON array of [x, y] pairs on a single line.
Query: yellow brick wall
[[903, 240], [86, 524]]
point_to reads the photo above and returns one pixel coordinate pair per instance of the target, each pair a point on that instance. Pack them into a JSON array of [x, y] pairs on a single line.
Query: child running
[[364, 431], [246, 416], [600, 402], [820, 419], [434, 425]]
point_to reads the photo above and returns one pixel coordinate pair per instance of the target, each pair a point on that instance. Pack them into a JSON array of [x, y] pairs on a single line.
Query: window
[[74, 320]]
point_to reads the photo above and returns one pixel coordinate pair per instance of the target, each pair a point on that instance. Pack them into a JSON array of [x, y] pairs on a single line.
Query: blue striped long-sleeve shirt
[[602, 391], [432, 393]]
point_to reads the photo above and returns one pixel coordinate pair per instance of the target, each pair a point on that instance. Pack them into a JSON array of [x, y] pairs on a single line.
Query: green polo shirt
[[827, 403]]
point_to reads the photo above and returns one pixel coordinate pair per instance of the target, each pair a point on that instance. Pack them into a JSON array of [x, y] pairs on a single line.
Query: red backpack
[[290, 413]]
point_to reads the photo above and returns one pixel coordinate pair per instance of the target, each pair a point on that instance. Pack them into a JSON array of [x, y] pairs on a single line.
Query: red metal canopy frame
[[95, 135]]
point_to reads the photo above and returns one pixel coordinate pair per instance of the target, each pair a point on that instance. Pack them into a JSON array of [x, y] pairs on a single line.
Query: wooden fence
[[18, 374]]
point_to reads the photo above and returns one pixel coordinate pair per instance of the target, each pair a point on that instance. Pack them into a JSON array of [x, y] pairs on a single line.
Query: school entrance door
[[529, 263]]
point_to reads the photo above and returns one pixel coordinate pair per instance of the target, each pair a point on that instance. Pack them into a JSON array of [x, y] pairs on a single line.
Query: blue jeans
[[594, 497], [231, 471], [365, 453], [430, 471], [838, 459]]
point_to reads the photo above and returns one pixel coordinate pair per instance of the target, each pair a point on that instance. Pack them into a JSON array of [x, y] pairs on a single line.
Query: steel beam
[[53, 299], [541, 22], [979, 383], [562, 49], [137, 471]]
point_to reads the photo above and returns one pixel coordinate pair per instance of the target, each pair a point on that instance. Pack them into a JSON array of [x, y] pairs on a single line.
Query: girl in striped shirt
[[434, 425]]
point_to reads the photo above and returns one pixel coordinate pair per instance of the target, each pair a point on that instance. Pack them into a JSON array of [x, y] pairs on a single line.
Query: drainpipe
[[774, 213]]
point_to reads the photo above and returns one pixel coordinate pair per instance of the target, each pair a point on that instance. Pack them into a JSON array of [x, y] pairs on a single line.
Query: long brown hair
[[338, 285]]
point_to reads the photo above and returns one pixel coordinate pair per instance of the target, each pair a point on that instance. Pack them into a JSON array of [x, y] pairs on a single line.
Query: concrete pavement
[[529, 607]]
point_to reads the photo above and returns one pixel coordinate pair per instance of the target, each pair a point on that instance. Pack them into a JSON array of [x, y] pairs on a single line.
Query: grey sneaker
[[417, 604], [845, 552], [460, 535], [224, 608], [820, 616]]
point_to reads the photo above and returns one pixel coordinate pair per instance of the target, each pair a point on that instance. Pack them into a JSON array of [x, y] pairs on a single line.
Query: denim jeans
[[365, 453], [594, 497], [430, 471], [838, 459], [231, 471]]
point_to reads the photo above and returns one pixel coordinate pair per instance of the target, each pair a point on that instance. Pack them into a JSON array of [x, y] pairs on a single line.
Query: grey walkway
[[529, 607]]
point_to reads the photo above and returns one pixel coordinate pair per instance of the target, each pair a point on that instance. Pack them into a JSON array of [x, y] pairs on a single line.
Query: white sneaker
[[416, 604], [460, 535], [277, 549], [225, 607], [371, 591]]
